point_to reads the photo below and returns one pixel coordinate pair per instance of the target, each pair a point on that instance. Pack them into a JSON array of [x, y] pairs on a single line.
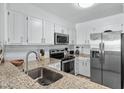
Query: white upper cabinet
[[34, 30], [64, 30], [87, 36], [48, 30], [61, 29], [16, 28], [58, 28], [1, 22], [71, 36], [81, 37], [24, 29]]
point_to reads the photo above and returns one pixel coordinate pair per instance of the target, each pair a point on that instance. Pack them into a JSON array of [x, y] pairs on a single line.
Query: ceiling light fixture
[[85, 5]]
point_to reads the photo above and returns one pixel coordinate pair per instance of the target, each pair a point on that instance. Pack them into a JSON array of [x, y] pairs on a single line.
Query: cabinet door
[[64, 30], [56, 66], [1, 25], [88, 67], [71, 36], [76, 66], [81, 34], [81, 68], [58, 28], [16, 27], [48, 32], [34, 30], [84, 68], [87, 36], [79, 37]]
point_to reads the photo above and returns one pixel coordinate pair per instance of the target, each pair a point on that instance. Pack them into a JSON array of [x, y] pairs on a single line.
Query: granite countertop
[[83, 57], [12, 77]]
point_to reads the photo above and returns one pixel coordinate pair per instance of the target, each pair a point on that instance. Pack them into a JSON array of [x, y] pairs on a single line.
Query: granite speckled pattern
[[12, 77]]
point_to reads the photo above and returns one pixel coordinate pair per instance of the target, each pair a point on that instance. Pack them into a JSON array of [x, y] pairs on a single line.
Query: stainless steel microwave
[[61, 39]]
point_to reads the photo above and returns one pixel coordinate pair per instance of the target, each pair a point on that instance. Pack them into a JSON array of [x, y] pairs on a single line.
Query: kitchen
[[44, 47]]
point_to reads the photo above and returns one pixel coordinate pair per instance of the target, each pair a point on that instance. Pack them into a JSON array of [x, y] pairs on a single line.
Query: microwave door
[[61, 38]]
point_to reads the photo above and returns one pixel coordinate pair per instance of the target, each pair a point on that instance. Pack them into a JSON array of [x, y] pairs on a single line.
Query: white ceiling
[[70, 12]]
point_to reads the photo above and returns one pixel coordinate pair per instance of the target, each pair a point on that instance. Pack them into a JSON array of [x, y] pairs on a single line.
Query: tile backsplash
[[20, 51], [17, 52], [84, 49]]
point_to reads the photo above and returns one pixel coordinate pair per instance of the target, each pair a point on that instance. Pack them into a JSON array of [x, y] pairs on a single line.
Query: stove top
[[59, 54], [67, 58]]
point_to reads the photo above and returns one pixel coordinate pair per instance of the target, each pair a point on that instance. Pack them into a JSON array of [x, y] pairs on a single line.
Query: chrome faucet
[[27, 55]]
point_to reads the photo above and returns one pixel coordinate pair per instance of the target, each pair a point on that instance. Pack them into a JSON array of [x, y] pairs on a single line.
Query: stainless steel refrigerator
[[107, 58]]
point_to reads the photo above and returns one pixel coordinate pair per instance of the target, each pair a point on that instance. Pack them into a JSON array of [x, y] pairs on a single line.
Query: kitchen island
[[12, 77]]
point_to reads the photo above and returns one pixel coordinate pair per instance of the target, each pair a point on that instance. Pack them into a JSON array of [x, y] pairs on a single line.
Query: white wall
[[99, 25]]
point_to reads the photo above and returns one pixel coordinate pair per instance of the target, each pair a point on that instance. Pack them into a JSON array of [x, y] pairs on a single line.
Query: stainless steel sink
[[44, 76]]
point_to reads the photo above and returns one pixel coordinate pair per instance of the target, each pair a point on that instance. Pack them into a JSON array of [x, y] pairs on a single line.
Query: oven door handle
[[66, 61]]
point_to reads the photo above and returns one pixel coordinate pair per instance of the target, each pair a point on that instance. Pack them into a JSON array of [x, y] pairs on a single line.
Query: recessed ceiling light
[[85, 5]]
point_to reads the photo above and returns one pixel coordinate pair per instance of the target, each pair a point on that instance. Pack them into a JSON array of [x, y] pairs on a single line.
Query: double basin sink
[[44, 76]]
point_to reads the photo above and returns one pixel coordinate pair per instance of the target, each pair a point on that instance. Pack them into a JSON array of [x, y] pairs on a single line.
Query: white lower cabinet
[[82, 66], [56, 66]]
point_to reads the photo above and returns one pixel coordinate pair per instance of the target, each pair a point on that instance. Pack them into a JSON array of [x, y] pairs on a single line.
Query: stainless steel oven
[[67, 62], [61, 39]]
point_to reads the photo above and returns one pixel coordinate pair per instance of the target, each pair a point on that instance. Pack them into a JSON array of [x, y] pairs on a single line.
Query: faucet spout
[[27, 55]]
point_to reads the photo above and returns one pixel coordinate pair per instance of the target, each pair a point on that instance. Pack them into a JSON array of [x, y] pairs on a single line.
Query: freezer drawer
[[96, 72], [112, 69]]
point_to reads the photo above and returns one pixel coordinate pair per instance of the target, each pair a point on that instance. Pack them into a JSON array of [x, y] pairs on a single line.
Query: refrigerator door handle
[[103, 53], [99, 48], [100, 51], [103, 46]]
